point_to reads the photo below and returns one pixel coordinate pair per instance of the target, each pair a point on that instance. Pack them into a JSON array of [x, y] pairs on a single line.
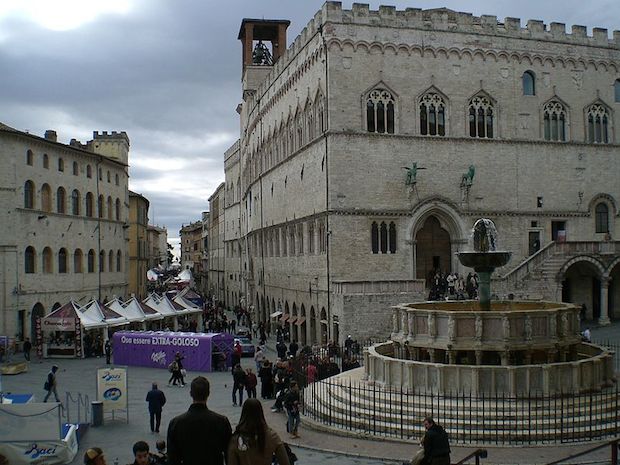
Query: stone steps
[[361, 413]]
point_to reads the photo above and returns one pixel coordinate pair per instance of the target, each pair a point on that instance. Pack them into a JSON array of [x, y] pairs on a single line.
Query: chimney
[[51, 135]]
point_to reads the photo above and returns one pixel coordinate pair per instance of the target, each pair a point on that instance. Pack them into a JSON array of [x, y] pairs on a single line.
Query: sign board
[[48, 452], [112, 388], [58, 324], [157, 349]]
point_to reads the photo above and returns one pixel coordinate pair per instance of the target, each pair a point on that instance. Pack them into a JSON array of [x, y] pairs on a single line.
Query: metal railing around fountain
[[528, 418]]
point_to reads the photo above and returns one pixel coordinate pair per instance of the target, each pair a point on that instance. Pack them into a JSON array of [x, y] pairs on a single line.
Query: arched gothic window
[[118, 260], [61, 164], [598, 124], [89, 204], [529, 83], [380, 111], [617, 91], [77, 261], [46, 161], [91, 261], [30, 257], [89, 171], [481, 117], [29, 157], [383, 237], [75, 202], [47, 260], [601, 212], [46, 198], [61, 200], [110, 207], [102, 261], [28, 194], [76, 168], [554, 117], [100, 203], [432, 115], [62, 261], [117, 207], [110, 261]]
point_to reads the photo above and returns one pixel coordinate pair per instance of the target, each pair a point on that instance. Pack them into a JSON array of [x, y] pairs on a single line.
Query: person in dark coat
[[281, 349], [27, 349], [436, 445], [239, 379], [156, 400], [107, 348], [198, 436]]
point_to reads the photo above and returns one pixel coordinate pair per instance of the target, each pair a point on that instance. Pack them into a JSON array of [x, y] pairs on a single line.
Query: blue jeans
[[293, 421]]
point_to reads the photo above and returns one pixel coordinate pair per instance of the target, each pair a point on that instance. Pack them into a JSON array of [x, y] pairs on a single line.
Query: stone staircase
[[349, 405], [536, 277]]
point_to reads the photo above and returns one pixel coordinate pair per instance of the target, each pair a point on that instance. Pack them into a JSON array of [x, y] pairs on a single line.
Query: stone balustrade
[[593, 370]]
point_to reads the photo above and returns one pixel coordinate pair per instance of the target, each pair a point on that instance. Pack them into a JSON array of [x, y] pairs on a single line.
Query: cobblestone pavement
[[315, 447]]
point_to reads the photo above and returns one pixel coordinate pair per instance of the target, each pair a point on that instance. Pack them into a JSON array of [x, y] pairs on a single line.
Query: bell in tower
[[264, 41]]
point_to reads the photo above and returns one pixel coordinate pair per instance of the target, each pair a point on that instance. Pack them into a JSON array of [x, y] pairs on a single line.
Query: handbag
[[183, 372]]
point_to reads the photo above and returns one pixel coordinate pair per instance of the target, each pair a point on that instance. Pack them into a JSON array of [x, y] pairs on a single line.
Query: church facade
[[372, 144]]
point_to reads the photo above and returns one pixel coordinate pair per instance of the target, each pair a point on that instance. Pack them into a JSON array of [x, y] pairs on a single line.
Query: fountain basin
[[484, 261]]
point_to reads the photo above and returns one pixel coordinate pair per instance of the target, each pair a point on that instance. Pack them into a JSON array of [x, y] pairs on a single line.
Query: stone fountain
[[516, 351], [484, 259]]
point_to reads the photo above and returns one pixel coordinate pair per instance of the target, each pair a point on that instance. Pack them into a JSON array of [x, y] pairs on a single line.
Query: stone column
[[551, 353], [604, 318], [527, 360], [505, 358], [478, 357], [432, 353], [452, 357]]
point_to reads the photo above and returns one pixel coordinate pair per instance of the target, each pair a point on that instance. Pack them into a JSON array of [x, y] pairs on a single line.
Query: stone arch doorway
[[433, 249], [581, 280], [613, 283], [37, 312]]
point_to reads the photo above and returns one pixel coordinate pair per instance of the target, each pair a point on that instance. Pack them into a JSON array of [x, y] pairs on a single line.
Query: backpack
[[46, 386], [172, 366]]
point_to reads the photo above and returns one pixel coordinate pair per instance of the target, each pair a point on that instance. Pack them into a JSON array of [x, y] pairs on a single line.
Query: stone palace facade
[[63, 225], [371, 145]]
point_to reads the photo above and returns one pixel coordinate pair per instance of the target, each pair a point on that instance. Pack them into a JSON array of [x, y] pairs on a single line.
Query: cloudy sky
[[168, 73]]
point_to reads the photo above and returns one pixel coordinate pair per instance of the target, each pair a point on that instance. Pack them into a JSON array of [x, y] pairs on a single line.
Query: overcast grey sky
[[168, 73]]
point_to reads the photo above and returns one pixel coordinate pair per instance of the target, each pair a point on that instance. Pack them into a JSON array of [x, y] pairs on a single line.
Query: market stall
[[60, 334], [156, 349]]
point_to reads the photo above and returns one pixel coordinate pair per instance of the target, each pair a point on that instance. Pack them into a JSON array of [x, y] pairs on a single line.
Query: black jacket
[[436, 442], [156, 400], [198, 437]]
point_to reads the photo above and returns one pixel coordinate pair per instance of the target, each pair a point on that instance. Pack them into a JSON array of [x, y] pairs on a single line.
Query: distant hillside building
[[62, 233]]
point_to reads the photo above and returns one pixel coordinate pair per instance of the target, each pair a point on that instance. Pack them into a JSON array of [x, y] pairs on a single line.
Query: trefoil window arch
[[598, 124], [432, 115], [481, 117], [554, 118], [380, 111]]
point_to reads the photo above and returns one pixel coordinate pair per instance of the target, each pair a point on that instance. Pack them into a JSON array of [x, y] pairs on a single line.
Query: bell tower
[[255, 33]]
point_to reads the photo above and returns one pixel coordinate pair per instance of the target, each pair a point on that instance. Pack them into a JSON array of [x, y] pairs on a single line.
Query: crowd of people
[[451, 286]]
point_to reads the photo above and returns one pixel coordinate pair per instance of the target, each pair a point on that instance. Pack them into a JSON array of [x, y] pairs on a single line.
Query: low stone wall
[[591, 373]]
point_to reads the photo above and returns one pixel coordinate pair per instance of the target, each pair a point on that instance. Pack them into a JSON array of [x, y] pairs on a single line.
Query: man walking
[[198, 436], [50, 384], [156, 400], [27, 349], [436, 445]]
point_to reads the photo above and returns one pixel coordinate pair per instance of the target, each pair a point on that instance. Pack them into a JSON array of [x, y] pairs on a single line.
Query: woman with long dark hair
[[253, 442]]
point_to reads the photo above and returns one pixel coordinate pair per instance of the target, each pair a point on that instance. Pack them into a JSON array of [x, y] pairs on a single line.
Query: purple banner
[[156, 349]]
